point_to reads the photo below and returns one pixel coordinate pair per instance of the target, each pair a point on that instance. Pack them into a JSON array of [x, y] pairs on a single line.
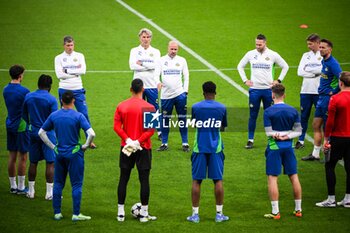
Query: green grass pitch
[[221, 32]]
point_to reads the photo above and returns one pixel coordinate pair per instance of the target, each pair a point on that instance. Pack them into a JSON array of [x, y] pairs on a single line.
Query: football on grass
[[136, 210]]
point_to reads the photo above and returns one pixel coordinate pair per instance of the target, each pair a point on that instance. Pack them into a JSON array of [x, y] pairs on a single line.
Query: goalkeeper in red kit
[[337, 140], [135, 147]]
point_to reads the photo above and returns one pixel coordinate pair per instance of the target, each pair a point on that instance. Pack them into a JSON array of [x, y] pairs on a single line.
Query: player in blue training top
[[282, 124], [69, 153], [37, 107], [328, 86], [16, 128], [208, 156]]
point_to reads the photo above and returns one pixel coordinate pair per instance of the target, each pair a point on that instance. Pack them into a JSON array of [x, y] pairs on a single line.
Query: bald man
[[175, 79]]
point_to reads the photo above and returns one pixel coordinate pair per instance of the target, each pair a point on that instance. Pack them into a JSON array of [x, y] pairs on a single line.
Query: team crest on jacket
[[319, 58], [166, 63], [75, 59], [256, 57], [251, 105], [177, 64], [267, 58], [326, 69], [151, 54]]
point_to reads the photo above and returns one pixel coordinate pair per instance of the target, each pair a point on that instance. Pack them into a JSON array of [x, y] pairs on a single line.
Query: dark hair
[[136, 85], [67, 97], [313, 37], [15, 71], [328, 42], [345, 78], [261, 37], [67, 39], [278, 90], [44, 82], [209, 87]]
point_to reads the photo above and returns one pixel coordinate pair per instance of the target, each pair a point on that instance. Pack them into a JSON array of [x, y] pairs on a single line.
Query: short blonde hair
[[145, 30]]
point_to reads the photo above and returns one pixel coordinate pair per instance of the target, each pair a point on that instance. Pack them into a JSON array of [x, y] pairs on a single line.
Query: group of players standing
[[169, 74]]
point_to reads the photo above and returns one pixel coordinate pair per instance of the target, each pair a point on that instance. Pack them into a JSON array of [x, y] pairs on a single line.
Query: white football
[[136, 210]]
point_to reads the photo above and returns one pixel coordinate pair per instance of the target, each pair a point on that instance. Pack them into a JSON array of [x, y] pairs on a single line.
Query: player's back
[[208, 137], [131, 113], [14, 95], [282, 116], [39, 104], [67, 124]]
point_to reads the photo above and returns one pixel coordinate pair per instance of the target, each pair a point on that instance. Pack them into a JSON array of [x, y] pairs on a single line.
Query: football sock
[[144, 210], [49, 187], [297, 205], [316, 151], [21, 180], [121, 210], [185, 144], [13, 183], [251, 140], [195, 210], [302, 142], [331, 198], [31, 185], [275, 209], [219, 208]]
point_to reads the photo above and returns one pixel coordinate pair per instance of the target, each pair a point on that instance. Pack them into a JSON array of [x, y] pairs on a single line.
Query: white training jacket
[[146, 72], [75, 66], [262, 67], [310, 68], [174, 75]]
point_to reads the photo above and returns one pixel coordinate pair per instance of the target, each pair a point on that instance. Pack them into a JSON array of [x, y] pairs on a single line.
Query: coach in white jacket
[[262, 66], [309, 69], [175, 81]]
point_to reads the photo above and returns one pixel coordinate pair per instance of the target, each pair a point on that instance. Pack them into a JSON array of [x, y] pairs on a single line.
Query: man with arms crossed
[[309, 69], [69, 153], [17, 131], [69, 67], [208, 151], [328, 86], [136, 147], [282, 124], [337, 136], [262, 64], [37, 107], [143, 61], [173, 69]]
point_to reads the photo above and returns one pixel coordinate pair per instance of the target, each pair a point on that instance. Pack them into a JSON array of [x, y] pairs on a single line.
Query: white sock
[[121, 210], [250, 140], [347, 197], [21, 180], [31, 185], [195, 210], [13, 182], [275, 209], [316, 151], [331, 198], [49, 187], [185, 144], [144, 210], [297, 204], [302, 142], [219, 208]]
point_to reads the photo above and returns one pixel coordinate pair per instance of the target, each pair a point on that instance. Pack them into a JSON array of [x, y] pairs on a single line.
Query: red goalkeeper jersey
[[128, 121], [338, 122]]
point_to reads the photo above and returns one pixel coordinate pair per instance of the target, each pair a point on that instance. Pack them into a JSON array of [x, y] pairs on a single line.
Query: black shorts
[[142, 158], [340, 148]]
